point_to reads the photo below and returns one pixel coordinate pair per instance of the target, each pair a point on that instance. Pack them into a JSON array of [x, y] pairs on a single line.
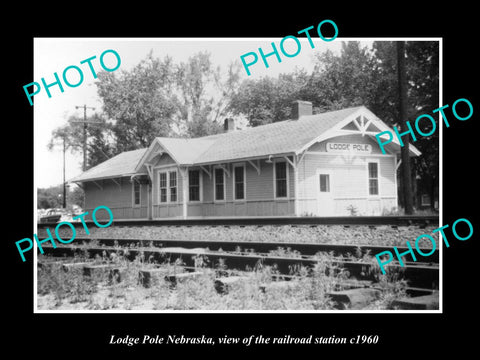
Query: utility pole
[[64, 183], [85, 123]]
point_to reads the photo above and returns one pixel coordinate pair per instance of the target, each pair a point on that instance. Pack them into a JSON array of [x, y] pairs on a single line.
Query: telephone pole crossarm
[[85, 123]]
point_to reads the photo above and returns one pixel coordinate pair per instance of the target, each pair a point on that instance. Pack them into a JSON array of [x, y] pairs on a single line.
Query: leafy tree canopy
[[357, 76], [52, 197], [161, 98], [155, 98]]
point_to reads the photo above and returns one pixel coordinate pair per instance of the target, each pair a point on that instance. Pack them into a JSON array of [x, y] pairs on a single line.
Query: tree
[[268, 99], [155, 98], [137, 107], [345, 80], [68, 133], [100, 144], [405, 150], [255, 100], [139, 102], [357, 76], [51, 197], [335, 83], [75, 196], [422, 69], [423, 65], [200, 113], [48, 198]]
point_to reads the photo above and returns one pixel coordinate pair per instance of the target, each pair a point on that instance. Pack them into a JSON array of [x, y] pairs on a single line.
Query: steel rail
[[405, 220], [421, 276], [304, 249]]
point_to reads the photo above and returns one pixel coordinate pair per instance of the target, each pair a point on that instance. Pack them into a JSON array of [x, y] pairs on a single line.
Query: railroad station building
[[327, 164]]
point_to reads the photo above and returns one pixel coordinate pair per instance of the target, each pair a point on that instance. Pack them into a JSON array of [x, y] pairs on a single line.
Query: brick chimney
[[229, 125], [301, 108]]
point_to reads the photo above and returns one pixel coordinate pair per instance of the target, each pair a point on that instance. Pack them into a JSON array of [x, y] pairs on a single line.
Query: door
[[325, 204]]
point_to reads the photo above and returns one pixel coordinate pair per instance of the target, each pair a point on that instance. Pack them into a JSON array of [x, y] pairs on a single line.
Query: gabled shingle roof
[[186, 151], [284, 137], [120, 165], [270, 139], [277, 138]]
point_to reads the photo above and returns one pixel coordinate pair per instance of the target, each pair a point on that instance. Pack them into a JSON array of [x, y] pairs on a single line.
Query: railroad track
[[230, 257], [240, 255], [257, 247], [406, 220]]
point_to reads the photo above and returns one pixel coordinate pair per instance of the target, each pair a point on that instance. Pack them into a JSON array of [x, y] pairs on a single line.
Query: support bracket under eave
[[208, 172], [134, 178], [150, 171], [398, 164], [256, 166], [80, 185], [99, 186], [290, 162], [116, 182], [183, 171], [225, 169], [302, 155]]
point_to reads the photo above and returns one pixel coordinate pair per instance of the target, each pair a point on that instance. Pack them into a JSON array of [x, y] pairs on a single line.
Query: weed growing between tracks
[[255, 289]]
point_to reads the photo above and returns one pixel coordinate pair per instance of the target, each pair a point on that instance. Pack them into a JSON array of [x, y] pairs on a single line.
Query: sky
[[55, 54]]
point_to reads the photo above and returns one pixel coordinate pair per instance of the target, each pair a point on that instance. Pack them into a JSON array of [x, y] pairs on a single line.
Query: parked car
[[53, 215]]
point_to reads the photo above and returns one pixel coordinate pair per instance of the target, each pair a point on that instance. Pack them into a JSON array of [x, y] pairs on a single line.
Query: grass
[[256, 289], [400, 211]]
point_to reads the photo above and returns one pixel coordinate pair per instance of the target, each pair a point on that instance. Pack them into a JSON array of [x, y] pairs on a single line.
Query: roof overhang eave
[[231, 160], [396, 147], [74, 180], [333, 132]]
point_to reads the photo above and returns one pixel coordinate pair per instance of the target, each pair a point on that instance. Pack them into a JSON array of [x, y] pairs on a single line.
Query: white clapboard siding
[[117, 194], [349, 179]]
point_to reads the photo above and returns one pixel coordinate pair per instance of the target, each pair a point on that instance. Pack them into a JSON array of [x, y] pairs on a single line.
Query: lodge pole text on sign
[[349, 148]]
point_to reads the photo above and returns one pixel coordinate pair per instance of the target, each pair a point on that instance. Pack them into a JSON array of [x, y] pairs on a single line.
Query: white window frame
[[376, 161], [244, 182], [163, 171], [215, 168], [275, 161], [139, 194], [167, 172], [200, 186], [329, 176], [169, 193]]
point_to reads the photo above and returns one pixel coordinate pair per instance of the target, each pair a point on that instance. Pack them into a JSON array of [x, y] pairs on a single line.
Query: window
[[194, 185], [280, 179], [167, 186], [219, 184], [163, 187], [425, 200], [373, 178], [136, 193], [173, 185], [324, 183], [239, 182]]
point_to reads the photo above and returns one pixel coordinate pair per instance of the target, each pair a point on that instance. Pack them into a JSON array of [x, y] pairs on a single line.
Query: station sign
[[348, 148]]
